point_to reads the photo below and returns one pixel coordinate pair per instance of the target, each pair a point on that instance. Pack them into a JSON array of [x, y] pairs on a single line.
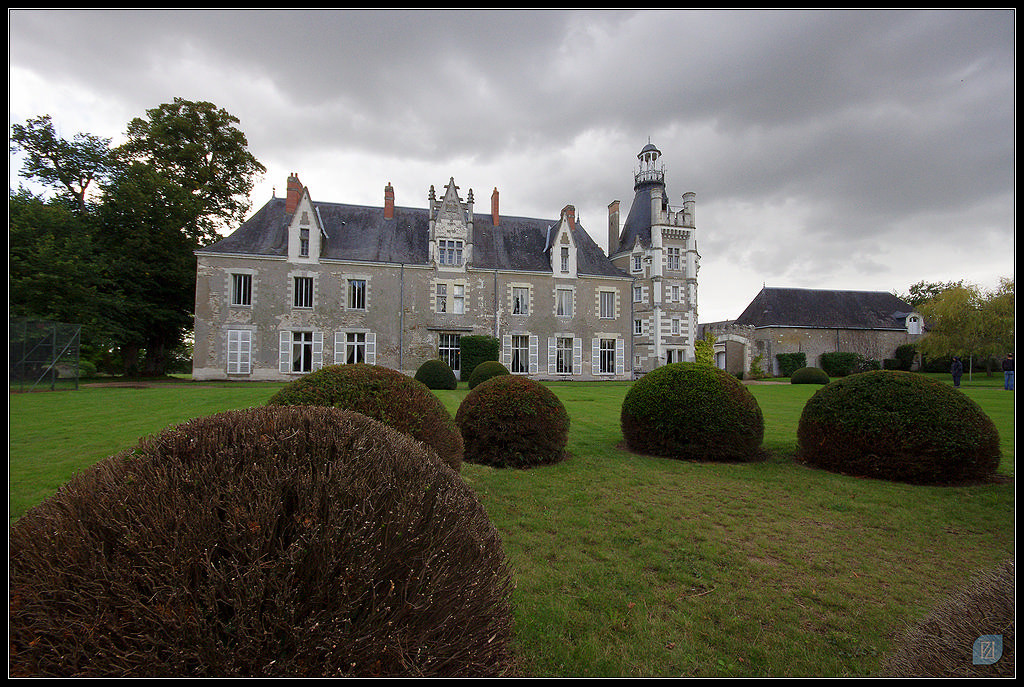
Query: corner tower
[[657, 246]]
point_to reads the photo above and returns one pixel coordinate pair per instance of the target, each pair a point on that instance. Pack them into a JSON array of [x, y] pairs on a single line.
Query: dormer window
[[565, 258], [449, 252], [304, 242], [638, 263]]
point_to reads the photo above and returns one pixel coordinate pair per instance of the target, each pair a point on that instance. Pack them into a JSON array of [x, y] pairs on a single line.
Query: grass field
[[630, 565]]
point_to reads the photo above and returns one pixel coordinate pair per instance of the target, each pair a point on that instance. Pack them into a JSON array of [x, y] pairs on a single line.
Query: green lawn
[[629, 565]]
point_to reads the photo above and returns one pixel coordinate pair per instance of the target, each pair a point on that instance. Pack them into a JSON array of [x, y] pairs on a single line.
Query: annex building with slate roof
[[305, 283], [814, 321]]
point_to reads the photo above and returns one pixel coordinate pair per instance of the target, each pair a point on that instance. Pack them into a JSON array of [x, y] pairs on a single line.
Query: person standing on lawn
[[957, 370], [1008, 372]]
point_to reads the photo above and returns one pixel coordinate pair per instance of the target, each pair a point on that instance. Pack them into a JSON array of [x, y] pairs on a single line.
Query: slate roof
[[357, 232], [824, 309], [638, 221]]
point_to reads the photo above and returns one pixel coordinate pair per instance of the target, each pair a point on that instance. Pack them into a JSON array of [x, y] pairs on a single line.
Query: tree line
[[964, 320], [110, 243]]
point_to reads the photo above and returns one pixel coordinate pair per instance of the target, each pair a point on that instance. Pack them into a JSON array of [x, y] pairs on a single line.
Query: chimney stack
[[569, 211], [494, 207], [294, 193], [389, 202], [613, 227]]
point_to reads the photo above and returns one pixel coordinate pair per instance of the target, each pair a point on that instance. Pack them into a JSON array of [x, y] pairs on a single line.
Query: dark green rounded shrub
[[941, 644], [898, 426], [475, 349], [436, 374], [269, 542], [397, 400], [513, 421], [693, 412], [484, 371], [809, 375]]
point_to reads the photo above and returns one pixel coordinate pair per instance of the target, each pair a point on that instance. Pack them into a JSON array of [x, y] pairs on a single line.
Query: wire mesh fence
[[44, 355]]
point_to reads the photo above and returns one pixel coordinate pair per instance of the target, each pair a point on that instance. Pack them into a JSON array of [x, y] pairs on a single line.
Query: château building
[[306, 283]]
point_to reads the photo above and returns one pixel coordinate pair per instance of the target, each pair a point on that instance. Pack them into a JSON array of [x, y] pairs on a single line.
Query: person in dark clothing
[[1008, 372], [957, 370]]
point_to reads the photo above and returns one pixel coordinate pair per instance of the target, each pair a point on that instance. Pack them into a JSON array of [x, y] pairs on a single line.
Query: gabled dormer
[[561, 245], [451, 229], [305, 231]]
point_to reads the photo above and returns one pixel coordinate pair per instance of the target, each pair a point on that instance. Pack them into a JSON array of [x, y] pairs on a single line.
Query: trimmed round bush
[[484, 371], [269, 542], [386, 395], [898, 426], [941, 644], [436, 374], [809, 375], [513, 422], [692, 412]]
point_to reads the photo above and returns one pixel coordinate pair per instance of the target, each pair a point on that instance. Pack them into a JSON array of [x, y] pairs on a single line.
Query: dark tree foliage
[[269, 542], [510, 421], [383, 394], [898, 426], [692, 412]]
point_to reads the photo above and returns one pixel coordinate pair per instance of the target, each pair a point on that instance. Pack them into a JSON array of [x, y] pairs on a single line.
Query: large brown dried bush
[[278, 541]]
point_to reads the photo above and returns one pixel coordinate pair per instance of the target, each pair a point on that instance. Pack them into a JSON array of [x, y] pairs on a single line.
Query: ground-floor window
[[563, 355], [351, 348], [520, 354], [448, 351], [239, 351], [302, 351], [607, 356]]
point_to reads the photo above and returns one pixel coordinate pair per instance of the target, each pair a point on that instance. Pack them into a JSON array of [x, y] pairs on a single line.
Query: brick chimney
[[294, 193], [389, 202], [569, 212], [613, 227], [494, 207]]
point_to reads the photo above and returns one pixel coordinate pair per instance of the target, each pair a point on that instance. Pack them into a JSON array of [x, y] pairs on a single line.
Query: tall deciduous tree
[[198, 147], [70, 167], [965, 320]]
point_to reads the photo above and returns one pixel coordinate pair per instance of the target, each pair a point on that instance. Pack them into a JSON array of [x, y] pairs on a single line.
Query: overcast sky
[[862, 150]]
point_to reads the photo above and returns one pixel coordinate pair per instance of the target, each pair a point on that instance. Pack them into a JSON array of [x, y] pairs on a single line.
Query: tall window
[[675, 326], [449, 252], [638, 327], [304, 242], [441, 298], [302, 351], [675, 293], [563, 302], [520, 354], [241, 289], [355, 348], [674, 258], [448, 350], [458, 299], [563, 355], [638, 263], [357, 294], [303, 292], [239, 351], [608, 356], [638, 294], [607, 305], [565, 258], [520, 300]]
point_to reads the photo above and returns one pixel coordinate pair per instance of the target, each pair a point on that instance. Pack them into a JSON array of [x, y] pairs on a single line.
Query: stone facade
[[303, 284]]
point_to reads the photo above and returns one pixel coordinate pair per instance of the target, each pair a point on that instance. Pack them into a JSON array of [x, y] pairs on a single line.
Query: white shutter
[[506, 351], [285, 354], [239, 351], [371, 348], [577, 355], [534, 354], [620, 360], [318, 350], [339, 347], [595, 356], [552, 355]]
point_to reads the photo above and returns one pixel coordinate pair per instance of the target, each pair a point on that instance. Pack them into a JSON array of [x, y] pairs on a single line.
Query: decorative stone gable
[[451, 228], [304, 230], [562, 245]]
